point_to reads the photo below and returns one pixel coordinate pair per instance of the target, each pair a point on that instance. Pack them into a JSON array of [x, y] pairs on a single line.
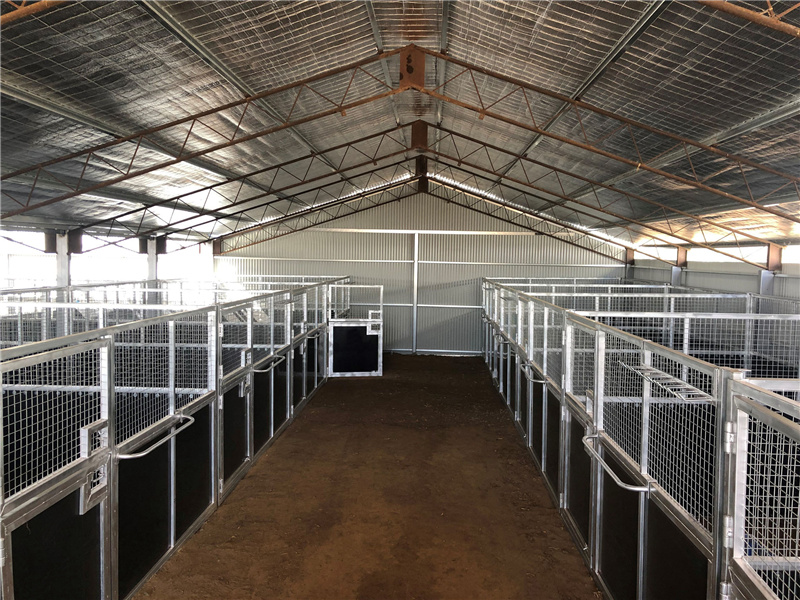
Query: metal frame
[[373, 324], [180, 404], [707, 392], [38, 182]]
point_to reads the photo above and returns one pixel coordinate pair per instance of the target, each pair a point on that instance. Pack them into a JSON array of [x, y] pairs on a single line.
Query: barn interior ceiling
[[647, 123]]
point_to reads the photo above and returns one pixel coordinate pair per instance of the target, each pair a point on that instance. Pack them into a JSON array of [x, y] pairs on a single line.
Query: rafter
[[312, 217], [25, 8], [521, 217], [520, 202], [354, 155], [235, 112], [619, 198], [312, 199], [499, 109], [650, 13], [492, 107], [766, 18], [163, 16], [771, 117]]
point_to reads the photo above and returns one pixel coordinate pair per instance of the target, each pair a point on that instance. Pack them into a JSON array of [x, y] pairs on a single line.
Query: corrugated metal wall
[[722, 276], [456, 247], [788, 286]]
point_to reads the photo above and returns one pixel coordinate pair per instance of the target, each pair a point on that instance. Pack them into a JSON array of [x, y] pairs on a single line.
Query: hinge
[[221, 485], [727, 530], [730, 437], [221, 330], [725, 591], [220, 401], [561, 503]]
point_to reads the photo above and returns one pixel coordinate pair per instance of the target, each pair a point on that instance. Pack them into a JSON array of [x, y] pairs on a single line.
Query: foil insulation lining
[[694, 72]]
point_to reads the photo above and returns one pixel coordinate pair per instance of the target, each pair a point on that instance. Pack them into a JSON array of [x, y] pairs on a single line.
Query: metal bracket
[[730, 437], [87, 433], [92, 495]]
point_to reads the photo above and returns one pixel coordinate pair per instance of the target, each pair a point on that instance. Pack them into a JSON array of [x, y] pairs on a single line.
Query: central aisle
[[414, 485]]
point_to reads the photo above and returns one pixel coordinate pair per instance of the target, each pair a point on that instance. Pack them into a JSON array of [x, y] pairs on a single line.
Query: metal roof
[[651, 122]]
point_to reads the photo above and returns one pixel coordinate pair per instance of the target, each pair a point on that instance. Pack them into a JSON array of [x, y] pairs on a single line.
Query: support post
[[152, 260], [630, 263], [63, 261], [766, 283], [677, 270], [415, 295]]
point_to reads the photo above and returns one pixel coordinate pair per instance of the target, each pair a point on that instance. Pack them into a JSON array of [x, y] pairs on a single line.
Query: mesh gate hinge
[[727, 529], [730, 437], [725, 591]]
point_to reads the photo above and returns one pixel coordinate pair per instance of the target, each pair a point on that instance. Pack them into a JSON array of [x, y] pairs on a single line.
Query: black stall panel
[[511, 398], [279, 395], [57, 553], [234, 423], [353, 350], [297, 376], [537, 414], [579, 479], [553, 439], [321, 359], [523, 402], [144, 513], [311, 365], [262, 408], [193, 483], [675, 567], [618, 544]]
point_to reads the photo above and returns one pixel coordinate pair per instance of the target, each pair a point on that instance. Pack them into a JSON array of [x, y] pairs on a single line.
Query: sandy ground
[[415, 485]]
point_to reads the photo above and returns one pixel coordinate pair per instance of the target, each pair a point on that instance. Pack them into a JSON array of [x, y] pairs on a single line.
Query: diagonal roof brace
[[772, 117], [158, 11], [651, 12], [12, 89], [376, 34]]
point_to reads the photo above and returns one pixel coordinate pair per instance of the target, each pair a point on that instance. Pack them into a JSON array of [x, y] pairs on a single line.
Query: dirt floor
[[414, 485]]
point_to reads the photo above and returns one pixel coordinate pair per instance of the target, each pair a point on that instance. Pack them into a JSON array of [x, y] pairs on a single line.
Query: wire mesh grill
[[582, 359], [772, 508], [234, 338], [44, 408], [141, 378], [682, 448], [263, 326], [192, 361], [537, 340], [622, 395], [555, 330]]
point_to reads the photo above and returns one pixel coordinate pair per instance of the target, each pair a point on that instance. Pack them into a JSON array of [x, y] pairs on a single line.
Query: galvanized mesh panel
[[44, 408], [772, 498], [623, 392], [537, 342], [582, 359], [141, 378], [234, 338], [683, 442], [263, 326], [193, 358], [509, 318], [555, 329]]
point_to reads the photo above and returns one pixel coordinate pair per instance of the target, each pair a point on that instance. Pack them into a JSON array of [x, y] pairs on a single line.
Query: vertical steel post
[[172, 443], [109, 515], [415, 298]]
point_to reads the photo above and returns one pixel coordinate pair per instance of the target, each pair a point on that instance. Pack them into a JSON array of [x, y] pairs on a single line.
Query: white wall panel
[[456, 248]]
